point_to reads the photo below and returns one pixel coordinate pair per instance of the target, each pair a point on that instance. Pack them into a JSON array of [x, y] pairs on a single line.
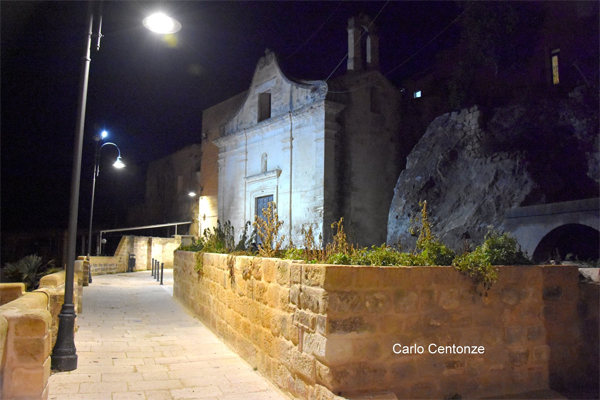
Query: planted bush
[[497, 249], [29, 270]]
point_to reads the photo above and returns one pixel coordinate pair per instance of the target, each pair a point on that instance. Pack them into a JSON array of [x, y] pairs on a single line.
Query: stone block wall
[[25, 366], [145, 248], [28, 329], [320, 330], [100, 265], [11, 291]]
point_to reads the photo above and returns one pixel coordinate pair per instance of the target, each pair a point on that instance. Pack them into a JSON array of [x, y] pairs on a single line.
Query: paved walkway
[[136, 342]]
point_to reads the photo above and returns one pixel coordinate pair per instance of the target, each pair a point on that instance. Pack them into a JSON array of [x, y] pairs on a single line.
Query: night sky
[[149, 94]]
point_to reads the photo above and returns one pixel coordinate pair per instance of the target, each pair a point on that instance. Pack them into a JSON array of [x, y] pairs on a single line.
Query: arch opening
[[581, 241]]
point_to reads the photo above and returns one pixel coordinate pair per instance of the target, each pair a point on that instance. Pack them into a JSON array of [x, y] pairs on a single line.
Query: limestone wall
[[28, 328], [102, 265], [145, 248], [316, 330]]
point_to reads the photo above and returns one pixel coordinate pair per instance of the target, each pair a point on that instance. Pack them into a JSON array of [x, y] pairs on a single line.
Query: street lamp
[[118, 164], [64, 354]]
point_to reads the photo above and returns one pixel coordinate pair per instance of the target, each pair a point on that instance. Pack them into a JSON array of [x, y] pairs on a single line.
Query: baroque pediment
[[272, 94]]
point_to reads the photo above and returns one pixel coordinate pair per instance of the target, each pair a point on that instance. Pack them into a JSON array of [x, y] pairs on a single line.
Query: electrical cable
[[315, 32], [405, 61]]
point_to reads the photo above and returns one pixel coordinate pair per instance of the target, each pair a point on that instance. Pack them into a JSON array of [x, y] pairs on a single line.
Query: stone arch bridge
[[563, 228]]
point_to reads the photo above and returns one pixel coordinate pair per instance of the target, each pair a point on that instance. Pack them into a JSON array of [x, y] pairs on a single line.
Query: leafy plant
[[429, 250], [267, 229], [196, 245], [497, 249], [29, 270]]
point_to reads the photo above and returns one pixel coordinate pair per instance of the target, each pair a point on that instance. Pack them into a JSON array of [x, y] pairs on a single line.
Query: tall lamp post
[[118, 164], [64, 354]]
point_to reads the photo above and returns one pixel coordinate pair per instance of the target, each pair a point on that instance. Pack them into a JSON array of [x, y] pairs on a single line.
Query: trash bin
[[131, 265]]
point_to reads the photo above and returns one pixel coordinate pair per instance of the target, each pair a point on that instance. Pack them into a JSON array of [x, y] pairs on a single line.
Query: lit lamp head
[[104, 134], [192, 193], [119, 164], [160, 23]]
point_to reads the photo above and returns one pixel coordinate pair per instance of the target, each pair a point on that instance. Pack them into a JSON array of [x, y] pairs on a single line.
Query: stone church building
[[320, 150]]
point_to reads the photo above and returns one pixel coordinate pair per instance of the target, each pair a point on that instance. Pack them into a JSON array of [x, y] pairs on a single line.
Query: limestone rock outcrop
[[472, 166]]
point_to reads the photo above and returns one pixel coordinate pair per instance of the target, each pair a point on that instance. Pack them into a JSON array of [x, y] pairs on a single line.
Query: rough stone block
[[518, 357], [401, 277], [315, 344], [304, 365], [11, 291], [378, 302], [314, 275], [368, 277], [319, 392], [515, 334], [272, 295], [371, 395], [29, 322], [349, 377], [405, 301], [31, 350], [323, 374], [313, 299], [541, 354], [350, 325], [305, 319], [424, 390], [367, 349], [449, 299], [282, 272], [296, 273], [536, 333], [269, 268], [295, 295], [345, 302], [338, 278], [26, 383]]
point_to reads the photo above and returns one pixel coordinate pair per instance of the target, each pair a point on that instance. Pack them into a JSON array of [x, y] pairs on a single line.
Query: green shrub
[[497, 249], [429, 250], [196, 245], [29, 270]]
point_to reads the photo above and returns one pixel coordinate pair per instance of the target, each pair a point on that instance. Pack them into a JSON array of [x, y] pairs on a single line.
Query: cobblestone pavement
[[136, 342]]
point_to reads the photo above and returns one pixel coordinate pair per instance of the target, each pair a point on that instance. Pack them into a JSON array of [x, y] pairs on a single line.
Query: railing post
[[162, 272], [152, 266], [157, 270]]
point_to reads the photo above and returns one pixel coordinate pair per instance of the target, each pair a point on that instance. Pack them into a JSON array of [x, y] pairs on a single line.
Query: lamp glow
[[119, 164], [161, 23], [104, 134], [192, 193]]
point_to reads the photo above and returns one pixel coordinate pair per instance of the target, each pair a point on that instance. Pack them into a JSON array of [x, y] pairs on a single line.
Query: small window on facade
[[555, 76], [264, 106], [417, 94]]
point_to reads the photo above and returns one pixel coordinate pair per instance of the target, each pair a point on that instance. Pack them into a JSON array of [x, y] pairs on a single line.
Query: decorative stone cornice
[[264, 176], [273, 124]]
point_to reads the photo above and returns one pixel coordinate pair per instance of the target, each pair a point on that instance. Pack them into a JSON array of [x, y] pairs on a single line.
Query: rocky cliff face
[[471, 167]]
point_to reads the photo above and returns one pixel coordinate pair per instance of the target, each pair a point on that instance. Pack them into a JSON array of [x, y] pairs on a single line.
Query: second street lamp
[[64, 353], [118, 164]]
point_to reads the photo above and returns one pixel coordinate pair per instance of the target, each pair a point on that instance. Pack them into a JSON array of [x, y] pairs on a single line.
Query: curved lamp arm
[[119, 163]]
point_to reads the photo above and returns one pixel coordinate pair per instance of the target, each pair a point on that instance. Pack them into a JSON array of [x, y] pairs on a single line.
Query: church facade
[[319, 150]]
